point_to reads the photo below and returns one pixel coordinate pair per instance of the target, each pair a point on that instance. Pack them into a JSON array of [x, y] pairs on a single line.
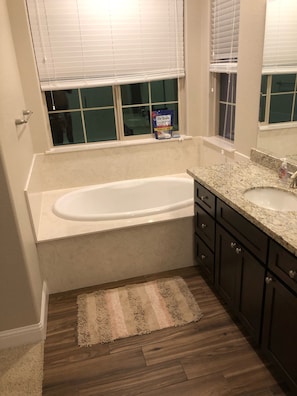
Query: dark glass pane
[[164, 91], [66, 128], [283, 83], [173, 107], [62, 100], [264, 84], [134, 94], [100, 125], [262, 108], [97, 97], [280, 108], [227, 88], [227, 121], [136, 121]]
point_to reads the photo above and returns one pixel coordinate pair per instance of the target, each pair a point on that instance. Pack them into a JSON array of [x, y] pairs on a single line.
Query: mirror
[[277, 134]]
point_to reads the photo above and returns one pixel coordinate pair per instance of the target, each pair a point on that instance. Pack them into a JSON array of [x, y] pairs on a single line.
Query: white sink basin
[[272, 198]]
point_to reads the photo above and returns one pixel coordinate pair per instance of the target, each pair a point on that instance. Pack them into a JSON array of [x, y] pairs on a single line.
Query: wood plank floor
[[210, 357]]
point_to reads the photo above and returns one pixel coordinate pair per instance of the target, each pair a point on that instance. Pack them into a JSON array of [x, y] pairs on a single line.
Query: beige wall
[[20, 281], [251, 38]]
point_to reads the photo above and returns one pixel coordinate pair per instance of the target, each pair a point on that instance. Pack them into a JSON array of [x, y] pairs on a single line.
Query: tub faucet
[[293, 180]]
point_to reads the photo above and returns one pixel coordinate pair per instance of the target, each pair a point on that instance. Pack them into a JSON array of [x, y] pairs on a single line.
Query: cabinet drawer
[[205, 198], [205, 258], [205, 226], [283, 264], [246, 233]]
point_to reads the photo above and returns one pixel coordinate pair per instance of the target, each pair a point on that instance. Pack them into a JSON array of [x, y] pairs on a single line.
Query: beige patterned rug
[[107, 315]]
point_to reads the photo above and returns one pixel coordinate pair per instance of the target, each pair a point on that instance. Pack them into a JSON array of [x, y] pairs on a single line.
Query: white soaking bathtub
[[79, 253], [126, 199]]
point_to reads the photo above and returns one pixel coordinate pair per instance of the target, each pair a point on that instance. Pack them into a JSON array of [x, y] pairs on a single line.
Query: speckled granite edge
[[270, 161], [229, 181]]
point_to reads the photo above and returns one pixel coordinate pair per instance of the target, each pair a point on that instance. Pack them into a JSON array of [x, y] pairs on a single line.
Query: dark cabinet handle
[[203, 225], [203, 197], [203, 257], [238, 250], [232, 244]]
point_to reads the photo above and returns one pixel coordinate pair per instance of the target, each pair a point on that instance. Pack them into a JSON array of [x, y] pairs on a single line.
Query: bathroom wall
[[20, 279]]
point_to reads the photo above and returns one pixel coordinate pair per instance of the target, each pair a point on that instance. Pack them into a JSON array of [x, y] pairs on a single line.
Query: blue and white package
[[163, 123]]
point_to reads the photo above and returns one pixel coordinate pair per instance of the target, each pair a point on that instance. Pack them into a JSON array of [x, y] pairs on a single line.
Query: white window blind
[[86, 43], [280, 44], [224, 35]]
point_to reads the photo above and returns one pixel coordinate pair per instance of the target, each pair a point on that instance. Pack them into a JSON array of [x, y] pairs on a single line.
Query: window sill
[[281, 125], [113, 144], [220, 143]]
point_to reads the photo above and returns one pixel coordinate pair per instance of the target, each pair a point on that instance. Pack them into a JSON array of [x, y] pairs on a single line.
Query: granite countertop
[[228, 181]]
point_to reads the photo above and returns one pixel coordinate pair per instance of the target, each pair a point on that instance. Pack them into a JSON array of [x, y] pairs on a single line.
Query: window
[[227, 100], [278, 87], [104, 65], [87, 115], [224, 55], [278, 98]]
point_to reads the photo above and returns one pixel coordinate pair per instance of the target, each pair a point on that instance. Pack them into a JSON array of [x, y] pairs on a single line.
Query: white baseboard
[[28, 334]]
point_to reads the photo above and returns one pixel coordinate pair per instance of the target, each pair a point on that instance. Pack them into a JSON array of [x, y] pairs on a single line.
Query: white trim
[[28, 334], [220, 142], [112, 144], [280, 125]]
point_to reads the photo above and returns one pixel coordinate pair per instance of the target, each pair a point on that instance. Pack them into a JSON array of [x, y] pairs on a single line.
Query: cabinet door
[[226, 267], [205, 259], [251, 295], [205, 226], [240, 281], [280, 328]]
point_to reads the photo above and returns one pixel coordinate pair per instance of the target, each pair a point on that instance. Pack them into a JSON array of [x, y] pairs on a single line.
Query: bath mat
[[107, 315]]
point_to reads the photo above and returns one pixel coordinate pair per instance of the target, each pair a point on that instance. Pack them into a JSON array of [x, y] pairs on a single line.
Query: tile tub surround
[[101, 257], [229, 181]]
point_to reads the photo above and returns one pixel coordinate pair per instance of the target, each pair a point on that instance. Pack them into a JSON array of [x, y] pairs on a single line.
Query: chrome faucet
[[293, 180]]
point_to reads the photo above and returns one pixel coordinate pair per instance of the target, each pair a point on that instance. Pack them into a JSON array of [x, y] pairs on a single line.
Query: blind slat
[[80, 41], [224, 35], [280, 54]]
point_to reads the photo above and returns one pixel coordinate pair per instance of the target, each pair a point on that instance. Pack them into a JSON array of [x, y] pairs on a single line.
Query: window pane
[[62, 100], [280, 108], [283, 83], [66, 128], [100, 125], [136, 121], [264, 84], [262, 108], [164, 91], [227, 121], [173, 107], [97, 97], [228, 88], [134, 94]]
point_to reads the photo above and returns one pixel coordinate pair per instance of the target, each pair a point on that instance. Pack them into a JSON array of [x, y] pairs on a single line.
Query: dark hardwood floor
[[210, 357]]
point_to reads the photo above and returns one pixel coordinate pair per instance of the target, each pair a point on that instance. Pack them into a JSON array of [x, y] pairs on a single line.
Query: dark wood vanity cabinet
[[280, 312], [241, 254], [205, 230], [254, 275], [239, 278]]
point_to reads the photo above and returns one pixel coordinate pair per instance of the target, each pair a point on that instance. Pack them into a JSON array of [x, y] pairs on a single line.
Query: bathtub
[[126, 199]]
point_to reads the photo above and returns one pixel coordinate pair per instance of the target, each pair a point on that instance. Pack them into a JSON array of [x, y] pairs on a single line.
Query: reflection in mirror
[[278, 99]]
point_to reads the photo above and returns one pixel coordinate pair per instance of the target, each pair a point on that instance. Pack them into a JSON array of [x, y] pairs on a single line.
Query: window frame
[[118, 114], [267, 109]]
